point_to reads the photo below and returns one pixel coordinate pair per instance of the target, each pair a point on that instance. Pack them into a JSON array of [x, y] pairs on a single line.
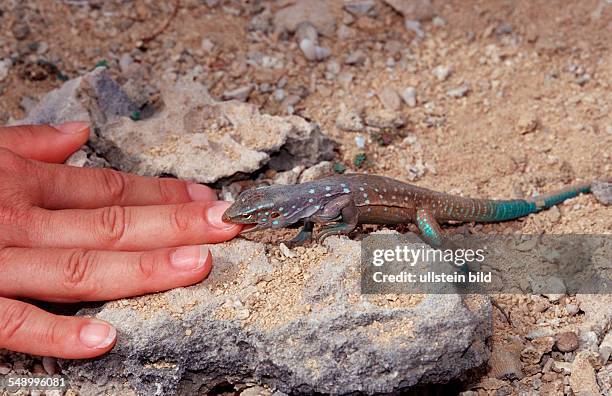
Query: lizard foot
[[337, 229]]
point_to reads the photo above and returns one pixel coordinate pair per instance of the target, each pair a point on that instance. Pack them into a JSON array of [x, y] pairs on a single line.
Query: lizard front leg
[[304, 236], [348, 219]]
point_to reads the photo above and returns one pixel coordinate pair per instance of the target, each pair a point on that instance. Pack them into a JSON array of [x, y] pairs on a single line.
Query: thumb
[[43, 142]]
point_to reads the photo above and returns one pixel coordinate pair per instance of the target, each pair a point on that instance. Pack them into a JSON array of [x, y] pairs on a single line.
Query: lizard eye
[[247, 216]]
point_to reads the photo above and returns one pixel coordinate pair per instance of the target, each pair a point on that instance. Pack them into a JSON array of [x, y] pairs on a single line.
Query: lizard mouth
[[252, 227]]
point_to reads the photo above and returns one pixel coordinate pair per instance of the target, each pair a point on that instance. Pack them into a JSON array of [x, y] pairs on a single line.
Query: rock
[[349, 119], [582, 379], [604, 378], [409, 96], [360, 141], [255, 391], [306, 31], [384, 118], [505, 362], [442, 72], [597, 313], [414, 26], [527, 122], [313, 52], [301, 324], [605, 348], [389, 98], [561, 367], [566, 341], [419, 10], [602, 191], [532, 353], [320, 13], [357, 57], [125, 62], [571, 309], [318, 171], [86, 158], [458, 92], [551, 287], [93, 97], [5, 66], [189, 133], [345, 79], [50, 365], [240, 93], [360, 7], [207, 45], [5, 368]]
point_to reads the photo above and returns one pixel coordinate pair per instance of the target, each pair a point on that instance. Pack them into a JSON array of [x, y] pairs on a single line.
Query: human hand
[[69, 234]]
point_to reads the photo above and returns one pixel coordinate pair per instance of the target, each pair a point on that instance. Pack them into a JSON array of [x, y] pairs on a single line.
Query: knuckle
[[166, 190], [183, 218], [147, 262], [12, 320], [78, 280], [113, 183], [111, 224]]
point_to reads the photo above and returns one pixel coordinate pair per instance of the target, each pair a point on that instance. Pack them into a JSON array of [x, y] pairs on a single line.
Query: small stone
[[241, 94], [21, 31], [561, 367], [582, 379], [601, 190], [50, 365], [605, 348], [357, 57], [414, 26], [458, 92], [125, 61], [442, 72], [306, 31], [318, 171], [345, 79], [539, 333], [571, 309], [243, 314], [384, 118], [438, 21], [360, 141], [567, 341], [409, 96], [419, 10], [286, 251], [207, 45], [313, 52], [360, 7], [5, 65], [389, 98], [255, 391], [527, 122], [344, 32], [279, 95], [349, 119], [5, 368]]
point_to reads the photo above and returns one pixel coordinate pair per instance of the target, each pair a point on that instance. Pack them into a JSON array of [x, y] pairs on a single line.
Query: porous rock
[[296, 332]]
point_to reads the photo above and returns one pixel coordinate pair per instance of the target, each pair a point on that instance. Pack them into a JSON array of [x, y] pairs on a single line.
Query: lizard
[[349, 200]]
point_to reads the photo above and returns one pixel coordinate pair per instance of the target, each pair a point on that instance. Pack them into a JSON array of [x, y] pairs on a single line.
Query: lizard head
[[275, 206]]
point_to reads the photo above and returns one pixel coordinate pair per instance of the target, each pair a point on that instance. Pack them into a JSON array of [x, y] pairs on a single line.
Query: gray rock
[[357, 57], [240, 93], [418, 10], [414, 26], [125, 62], [442, 72], [306, 314], [93, 97], [458, 92], [602, 191], [389, 98], [317, 12], [187, 136], [312, 51], [305, 30], [5, 66], [409, 96], [360, 7]]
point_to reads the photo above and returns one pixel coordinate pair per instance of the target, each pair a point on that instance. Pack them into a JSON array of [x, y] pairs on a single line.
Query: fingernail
[[97, 335], [198, 192], [189, 258], [214, 216], [72, 128]]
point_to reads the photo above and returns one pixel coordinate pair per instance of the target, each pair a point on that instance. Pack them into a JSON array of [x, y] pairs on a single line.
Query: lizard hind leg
[[429, 227], [349, 220]]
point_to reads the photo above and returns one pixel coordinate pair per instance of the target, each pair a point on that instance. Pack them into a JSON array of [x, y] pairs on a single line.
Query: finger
[[132, 228], [71, 275], [84, 188], [43, 142], [25, 328]]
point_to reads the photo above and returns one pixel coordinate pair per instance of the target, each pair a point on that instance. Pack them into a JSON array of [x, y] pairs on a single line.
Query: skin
[[69, 234]]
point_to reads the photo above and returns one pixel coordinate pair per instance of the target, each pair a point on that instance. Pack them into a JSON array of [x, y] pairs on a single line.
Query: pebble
[[5, 368], [409, 96], [438, 21], [360, 7], [241, 93], [567, 341], [50, 365], [286, 251], [458, 92], [279, 95], [305, 30], [527, 122], [601, 190], [414, 26], [357, 57], [419, 10], [125, 61], [5, 65], [207, 45], [344, 32], [349, 119], [442, 72], [360, 141], [561, 367], [389, 98], [313, 52], [571, 309], [345, 79]]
